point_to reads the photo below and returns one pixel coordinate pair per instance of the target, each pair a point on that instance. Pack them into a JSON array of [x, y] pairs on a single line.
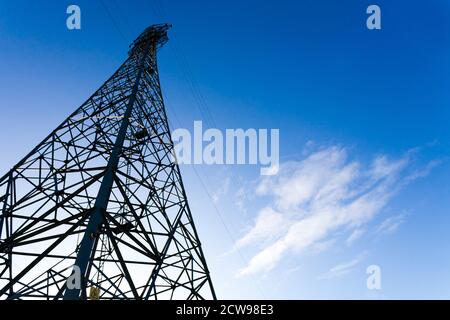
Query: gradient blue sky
[[311, 69]]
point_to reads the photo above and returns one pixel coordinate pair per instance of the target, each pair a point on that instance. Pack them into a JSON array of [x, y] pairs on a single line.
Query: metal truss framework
[[103, 193]]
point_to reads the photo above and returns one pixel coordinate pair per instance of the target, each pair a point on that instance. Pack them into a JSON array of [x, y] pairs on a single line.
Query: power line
[[116, 25], [205, 112]]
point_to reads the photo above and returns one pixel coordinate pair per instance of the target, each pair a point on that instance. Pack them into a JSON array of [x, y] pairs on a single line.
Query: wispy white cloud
[[269, 224], [342, 268], [355, 236], [222, 190], [391, 224], [323, 245], [311, 199]]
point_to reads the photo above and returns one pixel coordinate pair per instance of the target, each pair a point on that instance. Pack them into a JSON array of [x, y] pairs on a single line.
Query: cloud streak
[[391, 224], [341, 269]]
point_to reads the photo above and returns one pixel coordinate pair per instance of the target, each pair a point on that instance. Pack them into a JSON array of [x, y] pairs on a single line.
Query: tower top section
[[155, 34]]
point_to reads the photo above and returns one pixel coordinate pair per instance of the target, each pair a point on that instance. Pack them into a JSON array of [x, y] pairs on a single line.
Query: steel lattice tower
[[103, 193]]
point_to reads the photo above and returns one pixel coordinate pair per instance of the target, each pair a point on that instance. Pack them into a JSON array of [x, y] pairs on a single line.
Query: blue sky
[[365, 112]]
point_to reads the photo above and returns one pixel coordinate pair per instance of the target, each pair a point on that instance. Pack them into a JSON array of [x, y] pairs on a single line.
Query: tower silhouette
[[98, 209]]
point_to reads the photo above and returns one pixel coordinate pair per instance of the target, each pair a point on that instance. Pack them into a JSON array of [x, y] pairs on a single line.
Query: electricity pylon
[[98, 209]]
